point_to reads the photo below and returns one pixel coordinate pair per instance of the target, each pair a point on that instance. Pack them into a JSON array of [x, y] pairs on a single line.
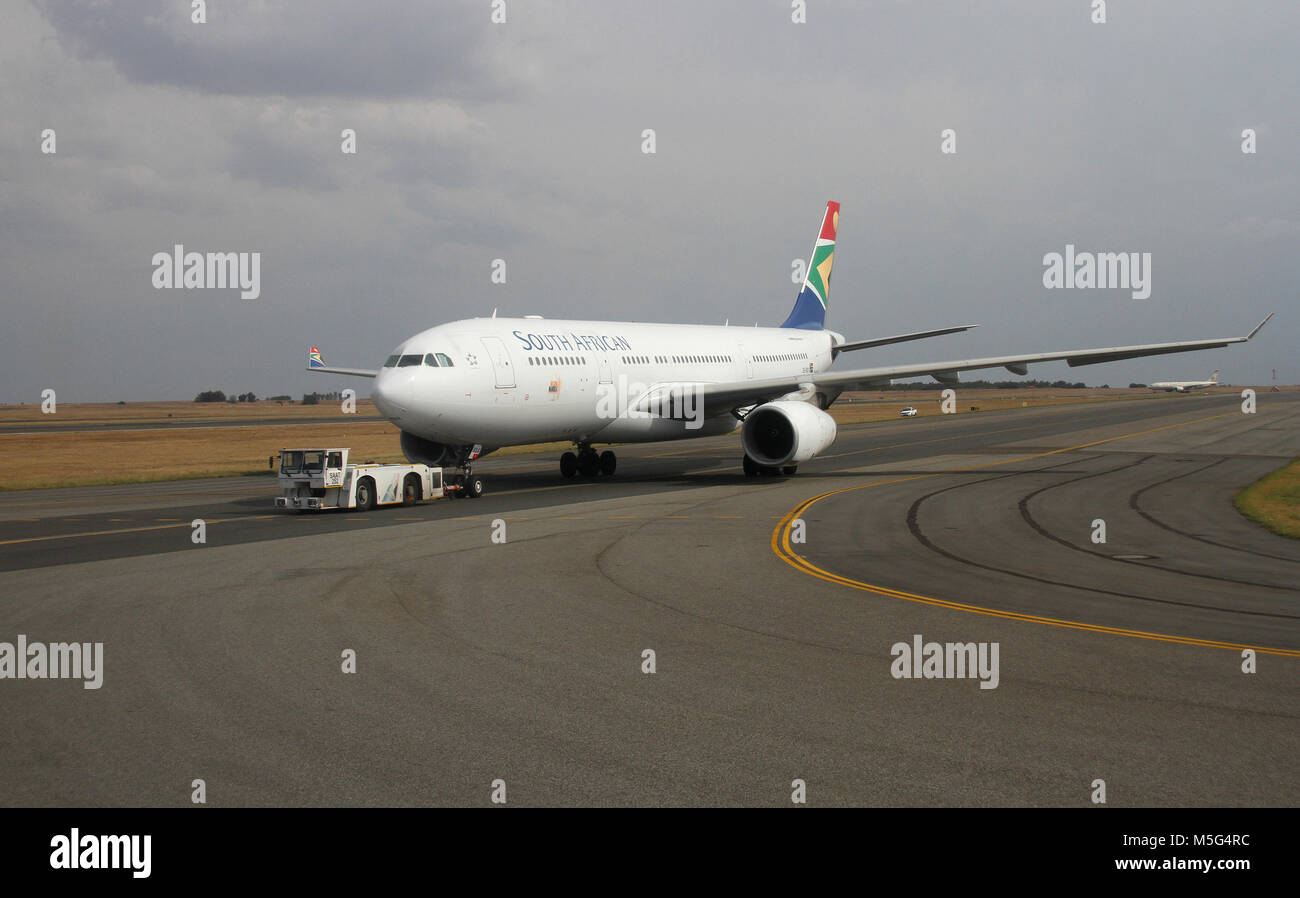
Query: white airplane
[[1186, 386], [460, 390]]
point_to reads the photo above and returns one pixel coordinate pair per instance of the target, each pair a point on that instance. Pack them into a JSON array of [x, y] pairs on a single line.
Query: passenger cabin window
[[391, 362], [444, 360], [407, 361]]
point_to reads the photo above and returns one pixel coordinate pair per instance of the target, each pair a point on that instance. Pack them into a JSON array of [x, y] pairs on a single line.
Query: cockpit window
[[444, 360], [391, 362], [431, 361], [407, 361]]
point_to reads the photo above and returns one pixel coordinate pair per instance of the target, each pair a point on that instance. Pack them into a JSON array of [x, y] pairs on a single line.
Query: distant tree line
[[220, 396], [316, 398]]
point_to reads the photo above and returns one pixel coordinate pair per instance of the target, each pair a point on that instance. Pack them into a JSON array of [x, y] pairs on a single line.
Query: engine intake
[[784, 432], [422, 451]]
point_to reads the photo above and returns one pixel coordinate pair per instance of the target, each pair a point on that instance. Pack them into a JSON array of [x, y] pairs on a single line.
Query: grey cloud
[[383, 48], [269, 159], [522, 142]]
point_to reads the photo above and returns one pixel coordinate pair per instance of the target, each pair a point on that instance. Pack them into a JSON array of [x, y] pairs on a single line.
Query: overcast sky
[[522, 141]]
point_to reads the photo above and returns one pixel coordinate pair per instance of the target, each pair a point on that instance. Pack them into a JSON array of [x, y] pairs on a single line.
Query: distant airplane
[[460, 390], [1187, 386]]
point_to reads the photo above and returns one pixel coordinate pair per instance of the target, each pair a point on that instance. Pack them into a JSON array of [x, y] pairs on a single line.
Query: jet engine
[[786, 433], [422, 451]]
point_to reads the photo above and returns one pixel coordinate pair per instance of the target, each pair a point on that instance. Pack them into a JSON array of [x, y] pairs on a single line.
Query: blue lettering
[[535, 342], [520, 337]]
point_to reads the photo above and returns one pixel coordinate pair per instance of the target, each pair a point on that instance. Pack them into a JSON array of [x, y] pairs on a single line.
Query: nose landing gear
[[466, 485]]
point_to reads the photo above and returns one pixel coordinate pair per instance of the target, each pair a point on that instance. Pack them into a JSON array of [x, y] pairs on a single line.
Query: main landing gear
[[587, 462], [754, 469]]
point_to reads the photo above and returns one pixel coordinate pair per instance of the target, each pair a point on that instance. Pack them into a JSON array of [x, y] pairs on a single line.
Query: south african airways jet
[[460, 390]]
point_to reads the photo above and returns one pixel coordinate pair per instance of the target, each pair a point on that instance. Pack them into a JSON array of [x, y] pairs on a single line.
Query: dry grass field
[[178, 450], [1274, 501], [129, 456], [152, 413]]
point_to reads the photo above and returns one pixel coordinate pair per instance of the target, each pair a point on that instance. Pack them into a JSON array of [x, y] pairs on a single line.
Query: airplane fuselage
[[1187, 386], [1184, 386], [516, 381]]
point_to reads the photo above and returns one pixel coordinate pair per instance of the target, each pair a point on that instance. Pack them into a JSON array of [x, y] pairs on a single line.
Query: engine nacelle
[[422, 451], [784, 433]]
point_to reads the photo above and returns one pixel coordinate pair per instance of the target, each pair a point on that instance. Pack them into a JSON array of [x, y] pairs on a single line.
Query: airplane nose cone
[[390, 396]]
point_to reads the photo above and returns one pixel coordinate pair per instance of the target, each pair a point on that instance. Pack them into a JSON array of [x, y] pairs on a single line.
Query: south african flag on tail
[[809, 310], [314, 359]]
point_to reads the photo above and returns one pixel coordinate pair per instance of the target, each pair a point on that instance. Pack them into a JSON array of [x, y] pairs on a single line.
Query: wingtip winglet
[[1260, 325]]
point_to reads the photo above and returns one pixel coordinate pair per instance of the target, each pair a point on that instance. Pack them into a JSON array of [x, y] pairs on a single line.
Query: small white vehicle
[[315, 479], [908, 412]]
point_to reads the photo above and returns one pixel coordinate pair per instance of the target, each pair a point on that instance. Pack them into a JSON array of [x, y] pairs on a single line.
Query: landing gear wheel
[[473, 486], [588, 464], [366, 494], [769, 471], [751, 468], [608, 462], [789, 470], [568, 465]]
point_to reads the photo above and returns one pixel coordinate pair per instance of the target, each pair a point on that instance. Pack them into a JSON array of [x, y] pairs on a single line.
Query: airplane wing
[[898, 338], [314, 363], [718, 398]]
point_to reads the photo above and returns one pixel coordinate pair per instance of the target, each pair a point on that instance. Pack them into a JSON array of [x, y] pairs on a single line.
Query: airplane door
[[746, 361], [505, 374], [606, 373]]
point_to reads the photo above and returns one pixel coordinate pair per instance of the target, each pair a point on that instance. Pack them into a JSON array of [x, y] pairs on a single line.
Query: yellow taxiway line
[[782, 548]]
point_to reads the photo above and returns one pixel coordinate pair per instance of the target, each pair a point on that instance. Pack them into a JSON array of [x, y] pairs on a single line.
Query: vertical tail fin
[[1214, 378], [809, 310]]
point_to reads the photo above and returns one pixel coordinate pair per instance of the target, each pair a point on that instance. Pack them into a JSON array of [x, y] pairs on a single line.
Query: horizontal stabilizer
[[899, 338]]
